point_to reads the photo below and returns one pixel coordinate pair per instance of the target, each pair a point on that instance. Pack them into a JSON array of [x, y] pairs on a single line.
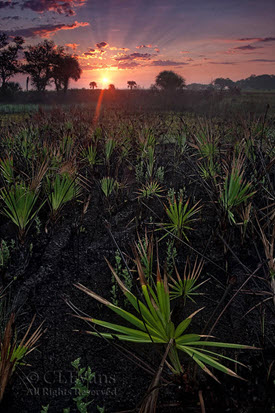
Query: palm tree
[[66, 67], [92, 85], [132, 84]]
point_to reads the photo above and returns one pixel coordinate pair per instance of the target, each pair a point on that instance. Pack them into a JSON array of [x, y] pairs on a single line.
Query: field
[[157, 216]]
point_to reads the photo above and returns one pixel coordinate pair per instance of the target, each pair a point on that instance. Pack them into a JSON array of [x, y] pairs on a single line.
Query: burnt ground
[[66, 255]]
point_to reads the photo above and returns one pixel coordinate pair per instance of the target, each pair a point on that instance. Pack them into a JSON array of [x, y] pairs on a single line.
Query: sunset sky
[[122, 40]]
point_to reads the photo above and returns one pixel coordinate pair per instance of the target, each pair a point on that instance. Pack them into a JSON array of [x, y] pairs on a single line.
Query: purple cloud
[[257, 39], [135, 56], [167, 63], [101, 45], [58, 6], [246, 47]]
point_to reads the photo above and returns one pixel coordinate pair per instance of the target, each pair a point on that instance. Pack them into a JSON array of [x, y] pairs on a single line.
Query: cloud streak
[[257, 39], [167, 63], [46, 30], [247, 47], [263, 60], [135, 56]]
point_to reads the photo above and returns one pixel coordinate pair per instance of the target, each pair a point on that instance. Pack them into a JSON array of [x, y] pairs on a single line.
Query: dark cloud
[[263, 60], [135, 56], [101, 45], [246, 47], [46, 30], [58, 6], [7, 4], [167, 63], [11, 18], [267, 39], [257, 39], [222, 63]]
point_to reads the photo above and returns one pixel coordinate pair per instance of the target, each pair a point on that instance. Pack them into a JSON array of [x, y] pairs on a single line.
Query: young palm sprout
[[60, 191], [20, 206], [186, 286], [181, 217]]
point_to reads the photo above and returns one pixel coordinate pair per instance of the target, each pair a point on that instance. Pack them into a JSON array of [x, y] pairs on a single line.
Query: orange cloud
[[46, 30], [73, 46]]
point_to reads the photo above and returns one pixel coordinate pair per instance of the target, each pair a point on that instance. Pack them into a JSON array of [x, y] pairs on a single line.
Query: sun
[[105, 81]]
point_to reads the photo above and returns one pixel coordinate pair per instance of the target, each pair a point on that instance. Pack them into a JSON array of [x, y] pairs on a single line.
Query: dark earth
[[73, 251]]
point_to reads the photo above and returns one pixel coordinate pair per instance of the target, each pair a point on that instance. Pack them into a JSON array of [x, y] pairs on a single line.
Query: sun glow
[[105, 81]]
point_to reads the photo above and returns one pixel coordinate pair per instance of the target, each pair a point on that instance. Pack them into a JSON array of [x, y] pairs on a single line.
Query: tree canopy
[[39, 64], [222, 83], [9, 64], [65, 67], [169, 80], [131, 84], [261, 82], [46, 63], [92, 85]]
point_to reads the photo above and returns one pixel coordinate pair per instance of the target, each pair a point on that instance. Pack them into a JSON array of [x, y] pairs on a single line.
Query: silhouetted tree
[[13, 87], [131, 84], [111, 87], [92, 85], [65, 67], [169, 80], [261, 82], [40, 60], [222, 83], [9, 64]]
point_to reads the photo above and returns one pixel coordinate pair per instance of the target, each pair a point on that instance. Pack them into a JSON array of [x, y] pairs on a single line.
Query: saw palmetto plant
[[14, 351], [207, 168], [20, 205], [6, 169], [91, 155], [62, 189], [205, 140], [109, 186], [144, 252], [187, 285], [146, 139], [181, 217], [149, 190], [234, 192], [151, 323], [109, 149]]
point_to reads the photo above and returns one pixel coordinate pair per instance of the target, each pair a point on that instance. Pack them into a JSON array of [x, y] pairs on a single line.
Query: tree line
[[44, 63], [261, 82]]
